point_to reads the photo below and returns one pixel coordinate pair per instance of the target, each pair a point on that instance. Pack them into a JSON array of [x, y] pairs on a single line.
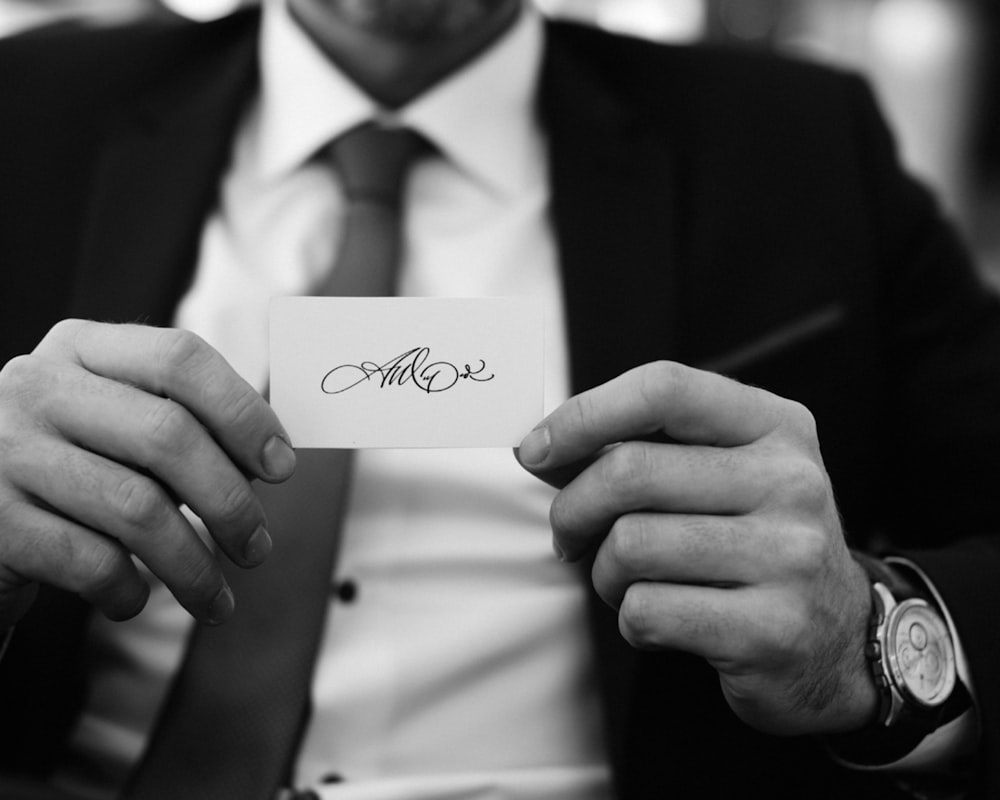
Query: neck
[[395, 56]]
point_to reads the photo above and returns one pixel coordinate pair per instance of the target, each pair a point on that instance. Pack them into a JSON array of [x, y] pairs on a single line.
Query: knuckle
[[636, 618], [18, 450], [202, 575], [806, 482], [805, 550], [792, 480], [111, 582], [104, 570], [602, 577], [559, 515], [17, 539], [181, 352], [66, 331], [236, 504], [660, 380], [242, 407], [627, 466], [139, 501], [167, 426], [30, 388], [801, 420], [22, 375], [628, 542], [17, 370], [582, 410]]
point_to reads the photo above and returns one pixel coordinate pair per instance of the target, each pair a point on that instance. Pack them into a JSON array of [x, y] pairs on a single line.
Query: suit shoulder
[[702, 78], [98, 65]]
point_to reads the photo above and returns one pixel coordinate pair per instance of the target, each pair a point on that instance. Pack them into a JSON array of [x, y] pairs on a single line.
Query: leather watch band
[[902, 722]]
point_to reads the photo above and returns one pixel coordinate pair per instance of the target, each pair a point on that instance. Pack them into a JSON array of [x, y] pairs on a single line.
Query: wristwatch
[[912, 655]]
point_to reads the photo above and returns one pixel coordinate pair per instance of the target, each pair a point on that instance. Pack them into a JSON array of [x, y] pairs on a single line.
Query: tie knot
[[371, 160]]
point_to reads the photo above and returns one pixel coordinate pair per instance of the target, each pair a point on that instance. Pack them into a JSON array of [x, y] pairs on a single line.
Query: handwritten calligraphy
[[413, 368]]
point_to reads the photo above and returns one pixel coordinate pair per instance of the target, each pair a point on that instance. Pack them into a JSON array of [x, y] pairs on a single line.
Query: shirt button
[[346, 591]]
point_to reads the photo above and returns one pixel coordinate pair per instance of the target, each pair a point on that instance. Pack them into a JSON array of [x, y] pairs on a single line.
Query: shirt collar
[[481, 117]]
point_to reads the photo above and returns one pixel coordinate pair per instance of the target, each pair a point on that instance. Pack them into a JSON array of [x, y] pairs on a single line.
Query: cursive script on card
[[413, 368], [365, 372]]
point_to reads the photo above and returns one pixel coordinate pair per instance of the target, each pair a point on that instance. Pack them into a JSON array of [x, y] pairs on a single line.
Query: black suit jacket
[[735, 212]]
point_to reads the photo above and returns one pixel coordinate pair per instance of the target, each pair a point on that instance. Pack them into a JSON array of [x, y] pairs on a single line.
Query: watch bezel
[[901, 613], [900, 722]]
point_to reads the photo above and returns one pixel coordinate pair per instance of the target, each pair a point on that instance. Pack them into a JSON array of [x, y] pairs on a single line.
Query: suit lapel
[[613, 210], [156, 182], [152, 188]]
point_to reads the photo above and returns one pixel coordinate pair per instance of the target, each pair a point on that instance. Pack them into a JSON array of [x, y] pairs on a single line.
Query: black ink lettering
[[410, 367]]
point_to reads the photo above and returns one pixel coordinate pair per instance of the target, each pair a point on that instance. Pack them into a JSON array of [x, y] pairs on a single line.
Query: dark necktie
[[234, 716]]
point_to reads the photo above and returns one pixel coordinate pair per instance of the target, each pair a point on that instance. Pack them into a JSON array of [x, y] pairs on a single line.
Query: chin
[[414, 20]]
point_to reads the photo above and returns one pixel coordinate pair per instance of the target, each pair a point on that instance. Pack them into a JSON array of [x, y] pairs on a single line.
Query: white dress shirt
[[457, 665]]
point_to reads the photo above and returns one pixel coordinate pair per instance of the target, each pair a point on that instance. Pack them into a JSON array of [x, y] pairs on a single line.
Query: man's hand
[[723, 540], [104, 431]]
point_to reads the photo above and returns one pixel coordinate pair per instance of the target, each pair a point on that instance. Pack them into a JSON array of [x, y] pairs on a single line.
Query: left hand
[[724, 542]]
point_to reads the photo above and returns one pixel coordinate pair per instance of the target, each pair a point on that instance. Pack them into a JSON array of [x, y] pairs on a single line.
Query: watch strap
[[880, 743], [893, 579]]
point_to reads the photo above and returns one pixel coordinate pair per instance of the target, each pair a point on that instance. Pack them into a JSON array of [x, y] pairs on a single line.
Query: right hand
[[105, 430]]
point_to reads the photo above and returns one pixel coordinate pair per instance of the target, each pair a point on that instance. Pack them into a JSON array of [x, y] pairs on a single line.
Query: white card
[[358, 372]]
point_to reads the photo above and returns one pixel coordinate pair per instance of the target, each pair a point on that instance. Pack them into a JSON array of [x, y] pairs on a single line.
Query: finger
[[736, 629], [683, 549], [786, 666], [133, 509], [558, 477], [41, 546], [179, 365], [638, 476], [561, 476], [157, 435], [683, 403]]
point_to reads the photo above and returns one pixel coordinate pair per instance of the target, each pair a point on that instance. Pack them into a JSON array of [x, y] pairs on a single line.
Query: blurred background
[[932, 63]]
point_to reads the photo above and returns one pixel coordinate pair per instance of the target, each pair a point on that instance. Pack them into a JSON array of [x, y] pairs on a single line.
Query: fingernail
[[222, 606], [278, 458], [258, 547], [534, 448]]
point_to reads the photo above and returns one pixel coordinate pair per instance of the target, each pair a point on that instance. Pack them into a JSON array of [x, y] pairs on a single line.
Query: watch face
[[920, 652]]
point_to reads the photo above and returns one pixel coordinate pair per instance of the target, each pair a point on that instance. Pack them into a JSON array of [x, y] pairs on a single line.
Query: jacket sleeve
[[940, 333]]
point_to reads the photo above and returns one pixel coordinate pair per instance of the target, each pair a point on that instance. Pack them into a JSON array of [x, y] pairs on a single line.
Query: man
[[731, 215]]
